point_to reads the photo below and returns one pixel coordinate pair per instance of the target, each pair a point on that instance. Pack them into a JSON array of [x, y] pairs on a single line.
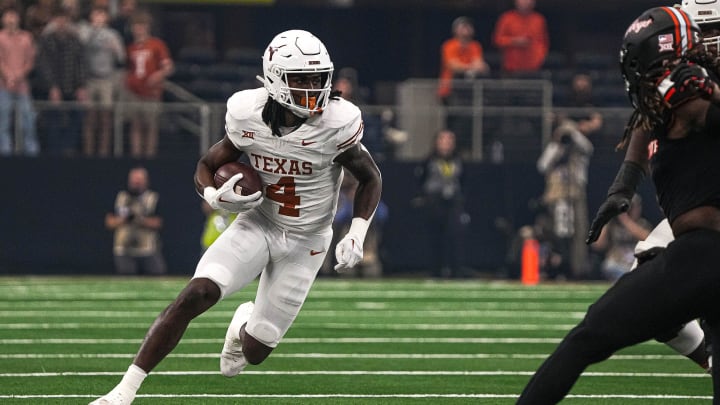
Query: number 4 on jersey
[[284, 192]]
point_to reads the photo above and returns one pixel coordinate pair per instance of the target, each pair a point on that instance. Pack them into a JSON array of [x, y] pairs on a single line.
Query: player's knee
[[669, 335], [200, 293], [591, 343]]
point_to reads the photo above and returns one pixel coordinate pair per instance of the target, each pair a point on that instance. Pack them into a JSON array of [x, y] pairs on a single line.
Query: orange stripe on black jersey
[[352, 138]]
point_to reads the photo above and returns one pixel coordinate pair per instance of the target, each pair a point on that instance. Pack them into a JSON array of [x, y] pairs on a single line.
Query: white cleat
[[232, 359], [115, 397]]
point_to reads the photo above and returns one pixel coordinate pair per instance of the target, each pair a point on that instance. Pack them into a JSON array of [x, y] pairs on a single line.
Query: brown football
[[249, 184]]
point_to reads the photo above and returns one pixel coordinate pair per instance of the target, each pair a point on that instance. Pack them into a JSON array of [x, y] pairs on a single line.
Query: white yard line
[[371, 356], [308, 313], [352, 372], [360, 396], [299, 325], [383, 340]]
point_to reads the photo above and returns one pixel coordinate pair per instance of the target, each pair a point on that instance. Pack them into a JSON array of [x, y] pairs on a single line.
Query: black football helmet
[[659, 34]]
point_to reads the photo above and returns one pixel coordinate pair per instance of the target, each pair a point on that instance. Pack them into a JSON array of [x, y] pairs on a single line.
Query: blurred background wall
[[51, 218]]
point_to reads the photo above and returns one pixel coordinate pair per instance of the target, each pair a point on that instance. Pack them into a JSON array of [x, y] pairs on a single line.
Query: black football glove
[[619, 196], [613, 206], [685, 82]]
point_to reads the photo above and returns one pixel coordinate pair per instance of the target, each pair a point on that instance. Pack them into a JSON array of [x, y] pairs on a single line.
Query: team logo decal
[[272, 50], [638, 26], [665, 42]]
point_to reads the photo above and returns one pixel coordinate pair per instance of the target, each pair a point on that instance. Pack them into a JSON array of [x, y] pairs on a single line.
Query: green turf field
[[68, 340]]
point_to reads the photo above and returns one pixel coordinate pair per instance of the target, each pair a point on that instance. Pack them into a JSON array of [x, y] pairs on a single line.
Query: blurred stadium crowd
[[390, 70]]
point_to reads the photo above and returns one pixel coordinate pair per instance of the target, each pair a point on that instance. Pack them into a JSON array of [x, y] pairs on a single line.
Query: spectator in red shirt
[[461, 56], [461, 62], [149, 63], [521, 35], [17, 59]]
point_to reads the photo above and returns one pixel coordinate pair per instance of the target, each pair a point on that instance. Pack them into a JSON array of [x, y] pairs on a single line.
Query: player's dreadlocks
[[651, 110], [273, 114]]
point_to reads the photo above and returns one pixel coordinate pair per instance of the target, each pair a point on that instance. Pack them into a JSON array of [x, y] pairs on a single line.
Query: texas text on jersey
[[298, 168]]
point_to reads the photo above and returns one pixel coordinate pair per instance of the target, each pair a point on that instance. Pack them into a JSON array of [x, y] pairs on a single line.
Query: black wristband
[[627, 179]]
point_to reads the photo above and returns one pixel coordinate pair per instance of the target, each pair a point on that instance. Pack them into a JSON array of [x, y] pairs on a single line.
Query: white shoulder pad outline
[[243, 103], [348, 138], [241, 107], [338, 114]]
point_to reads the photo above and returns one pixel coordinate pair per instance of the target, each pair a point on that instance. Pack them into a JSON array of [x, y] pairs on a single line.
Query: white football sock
[[687, 339], [133, 378]]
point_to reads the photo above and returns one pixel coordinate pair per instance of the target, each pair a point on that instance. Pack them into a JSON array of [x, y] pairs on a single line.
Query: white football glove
[[348, 252], [226, 198]]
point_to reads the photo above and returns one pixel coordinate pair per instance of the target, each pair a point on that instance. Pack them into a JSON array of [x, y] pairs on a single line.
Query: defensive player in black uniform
[[676, 129]]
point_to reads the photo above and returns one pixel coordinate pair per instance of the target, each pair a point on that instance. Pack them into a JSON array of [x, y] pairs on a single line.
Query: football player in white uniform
[[298, 136]]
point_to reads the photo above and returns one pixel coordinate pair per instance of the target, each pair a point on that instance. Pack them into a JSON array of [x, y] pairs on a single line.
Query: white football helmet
[[297, 52], [705, 13]]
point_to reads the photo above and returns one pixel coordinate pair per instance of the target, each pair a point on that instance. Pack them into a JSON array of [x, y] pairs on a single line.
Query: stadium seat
[[243, 56], [197, 55], [561, 77], [561, 94], [224, 72], [211, 90], [611, 96], [609, 77], [595, 61], [184, 72], [555, 60], [533, 75], [231, 72]]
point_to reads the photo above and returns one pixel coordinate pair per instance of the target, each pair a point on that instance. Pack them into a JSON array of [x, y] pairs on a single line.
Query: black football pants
[[681, 284]]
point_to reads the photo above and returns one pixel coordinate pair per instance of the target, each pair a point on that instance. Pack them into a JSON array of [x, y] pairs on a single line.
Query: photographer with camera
[[136, 247], [564, 162]]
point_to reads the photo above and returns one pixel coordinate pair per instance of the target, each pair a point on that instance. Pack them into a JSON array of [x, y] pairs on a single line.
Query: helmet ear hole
[[633, 65]]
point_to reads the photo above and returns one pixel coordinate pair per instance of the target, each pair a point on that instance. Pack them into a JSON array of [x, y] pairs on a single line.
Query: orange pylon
[[530, 262]]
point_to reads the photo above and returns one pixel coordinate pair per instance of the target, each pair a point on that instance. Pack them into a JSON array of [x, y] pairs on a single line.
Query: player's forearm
[[637, 151], [203, 177], [367, 198]]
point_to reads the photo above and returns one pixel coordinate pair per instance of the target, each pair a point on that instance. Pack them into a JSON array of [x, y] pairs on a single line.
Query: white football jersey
[[661, 236], [301, 181]]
